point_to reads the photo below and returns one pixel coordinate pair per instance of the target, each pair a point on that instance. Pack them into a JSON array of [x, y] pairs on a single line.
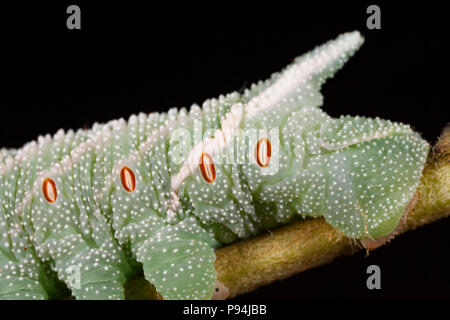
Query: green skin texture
[[356, 172]]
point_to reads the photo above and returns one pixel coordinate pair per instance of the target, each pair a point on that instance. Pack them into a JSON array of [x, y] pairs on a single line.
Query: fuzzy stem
[[305, 244]]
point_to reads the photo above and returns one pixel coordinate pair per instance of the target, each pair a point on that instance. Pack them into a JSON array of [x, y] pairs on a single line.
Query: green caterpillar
[[161, 192]]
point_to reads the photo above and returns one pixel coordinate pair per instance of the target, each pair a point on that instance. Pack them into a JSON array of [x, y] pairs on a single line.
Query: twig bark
[[305, 244]]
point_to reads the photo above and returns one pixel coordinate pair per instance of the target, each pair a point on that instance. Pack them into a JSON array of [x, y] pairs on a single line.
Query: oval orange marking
[[207, 168], [127, 179], [49, 190], [263, 152]]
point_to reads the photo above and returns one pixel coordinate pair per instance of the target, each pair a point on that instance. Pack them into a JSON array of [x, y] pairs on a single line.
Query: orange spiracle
[[263, 152], [207, 167], [127, 179], [49, 190]]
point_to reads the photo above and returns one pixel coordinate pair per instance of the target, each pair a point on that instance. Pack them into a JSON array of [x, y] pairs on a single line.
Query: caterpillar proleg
[[159, 193]]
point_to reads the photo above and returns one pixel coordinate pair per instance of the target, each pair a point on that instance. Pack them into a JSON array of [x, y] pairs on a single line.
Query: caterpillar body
[[145, 195]]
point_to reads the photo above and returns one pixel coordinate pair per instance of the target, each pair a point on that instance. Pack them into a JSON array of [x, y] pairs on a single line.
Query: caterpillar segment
[[144, 218], [23, 274]]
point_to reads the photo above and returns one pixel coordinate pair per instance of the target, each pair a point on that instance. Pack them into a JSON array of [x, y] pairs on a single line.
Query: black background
[[128, 58]]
